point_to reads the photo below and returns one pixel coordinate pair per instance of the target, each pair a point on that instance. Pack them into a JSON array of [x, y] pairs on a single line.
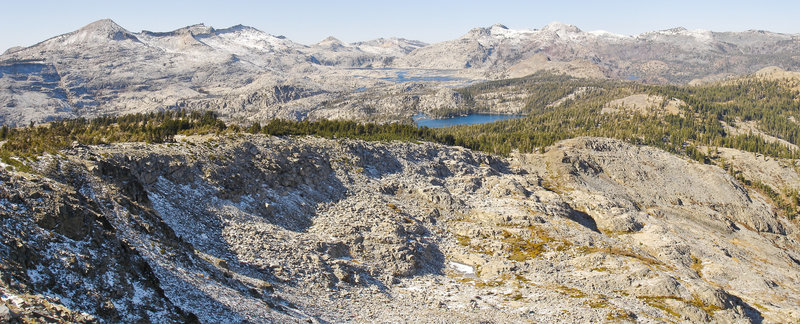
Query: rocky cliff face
[[257, 229]]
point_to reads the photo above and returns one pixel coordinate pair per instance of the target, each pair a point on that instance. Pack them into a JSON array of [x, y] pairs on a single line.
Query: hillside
[[255, 228]]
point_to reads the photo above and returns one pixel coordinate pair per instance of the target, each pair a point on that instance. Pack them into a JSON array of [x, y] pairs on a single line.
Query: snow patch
[[139, 294], [500, 30], [36, 274], [701, 35], [463, 268], [111, 281], [247, 41], [14, 299], [607, 34]]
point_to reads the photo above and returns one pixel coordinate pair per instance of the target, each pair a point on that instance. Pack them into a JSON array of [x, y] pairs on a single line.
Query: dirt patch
[[540, 62], [644, 104], [751, 127]]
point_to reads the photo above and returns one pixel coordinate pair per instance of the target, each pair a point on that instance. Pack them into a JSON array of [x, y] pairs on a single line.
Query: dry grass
[[393, 207], [644, 104], [626, 253], [463, 240], [531, 243], [481, 283], [660, 303], [697, 266], [617, 315], [572, 292]]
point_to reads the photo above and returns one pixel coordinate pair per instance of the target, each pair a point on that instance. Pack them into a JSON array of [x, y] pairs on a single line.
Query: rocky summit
[[253, 228]]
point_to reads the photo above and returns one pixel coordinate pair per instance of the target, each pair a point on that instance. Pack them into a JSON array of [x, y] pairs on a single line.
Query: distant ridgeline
[[773, 105]]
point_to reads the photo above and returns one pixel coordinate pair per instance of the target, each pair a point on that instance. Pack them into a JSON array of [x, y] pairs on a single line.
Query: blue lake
[[471, 119], [417, 75], [401, 77]]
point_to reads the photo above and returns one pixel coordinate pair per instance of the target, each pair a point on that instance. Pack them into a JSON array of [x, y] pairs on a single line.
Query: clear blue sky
[[28, 22]]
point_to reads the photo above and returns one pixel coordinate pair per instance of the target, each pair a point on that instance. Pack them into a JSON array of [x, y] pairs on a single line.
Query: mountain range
[[250, 75]]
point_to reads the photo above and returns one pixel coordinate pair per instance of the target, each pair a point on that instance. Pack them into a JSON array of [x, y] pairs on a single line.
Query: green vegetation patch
[[773, 104]]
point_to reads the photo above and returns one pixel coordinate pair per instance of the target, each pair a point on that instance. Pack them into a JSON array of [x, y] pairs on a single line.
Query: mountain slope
[[262, 229]]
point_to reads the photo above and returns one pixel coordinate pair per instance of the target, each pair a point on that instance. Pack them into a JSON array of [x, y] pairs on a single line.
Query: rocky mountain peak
[[331, 39], [103, 25], [238, 28], [104, 29], [499, 26], [502, 30], [495, 31], [199, 29], [478, 32], [561, 28], [13, 50], [331, 42]]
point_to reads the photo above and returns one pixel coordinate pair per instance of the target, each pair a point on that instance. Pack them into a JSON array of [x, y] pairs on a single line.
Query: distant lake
[[401, 77], [471, 119], [414, 75]]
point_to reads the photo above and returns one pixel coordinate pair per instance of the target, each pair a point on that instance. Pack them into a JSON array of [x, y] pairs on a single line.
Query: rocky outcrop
[[64, 261], [260, 229]]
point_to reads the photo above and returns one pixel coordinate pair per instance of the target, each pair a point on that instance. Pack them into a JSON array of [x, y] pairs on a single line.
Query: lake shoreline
[[422, 120]]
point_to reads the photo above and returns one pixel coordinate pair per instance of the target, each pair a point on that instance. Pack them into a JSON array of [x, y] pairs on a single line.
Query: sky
[[24, 23]]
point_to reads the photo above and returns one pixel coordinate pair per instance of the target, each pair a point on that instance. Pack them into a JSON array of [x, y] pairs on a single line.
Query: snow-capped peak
[[196, 30], [498, 27], [500, 30], [245, 40], [199, 29], [561, 28], [701, 35], [239, 28], [607, 34]]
